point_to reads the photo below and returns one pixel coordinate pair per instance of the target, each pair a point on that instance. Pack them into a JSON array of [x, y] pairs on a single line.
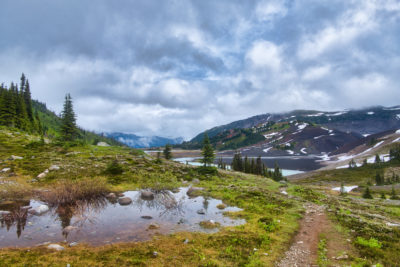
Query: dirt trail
[[303, 251]]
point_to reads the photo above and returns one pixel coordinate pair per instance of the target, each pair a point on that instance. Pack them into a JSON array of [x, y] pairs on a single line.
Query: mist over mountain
[[137, 141]]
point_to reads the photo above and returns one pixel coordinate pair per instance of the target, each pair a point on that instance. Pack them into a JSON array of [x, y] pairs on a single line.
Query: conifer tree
[[367, 194], [167, 151], [247, 168], [207, 151], [68, 121], [28, 100], [259, 167], [393, 194]]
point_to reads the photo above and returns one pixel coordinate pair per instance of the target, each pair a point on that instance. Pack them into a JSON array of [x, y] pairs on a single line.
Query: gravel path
[[303, 251]]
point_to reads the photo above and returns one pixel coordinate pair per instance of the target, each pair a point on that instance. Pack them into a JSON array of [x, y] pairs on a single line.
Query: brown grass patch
[[67, 192]]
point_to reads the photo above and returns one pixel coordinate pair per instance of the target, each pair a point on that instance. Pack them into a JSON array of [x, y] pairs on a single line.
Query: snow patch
[[318, 137], [316, 115], [398, 131], [290, 152], [346, 188], [378, 144], [370, 113], [365, 135], [303, 150], [271, 135], [398, 116], [267, 149], [302, 126], [338, 113], [396, 140]]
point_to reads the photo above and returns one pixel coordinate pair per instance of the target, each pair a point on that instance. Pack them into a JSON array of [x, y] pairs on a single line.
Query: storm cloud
[[175, 68]]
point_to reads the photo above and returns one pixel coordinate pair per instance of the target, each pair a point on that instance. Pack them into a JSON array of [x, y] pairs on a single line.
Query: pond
[[106, 221]]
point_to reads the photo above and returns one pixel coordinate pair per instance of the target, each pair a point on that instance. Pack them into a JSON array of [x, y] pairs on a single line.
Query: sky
[[175, 68]]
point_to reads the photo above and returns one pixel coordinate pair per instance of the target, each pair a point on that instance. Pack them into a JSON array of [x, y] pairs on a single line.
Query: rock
[[26, 207], [196, 181], [73, 244], [42, 175], [146, 217], [155, 253], [284, 193], [342, 257], [393, 224], [15, 157], [153, 226], [111, 195], [184, 182], [192, 190], [54, 168], [123, 201], [186, 241], [201, 211], [120, 195], [39, 210], [69, 229], [102, 144], [6, 170], [147, 195], [282, 182], [55, 247], [221, 206]]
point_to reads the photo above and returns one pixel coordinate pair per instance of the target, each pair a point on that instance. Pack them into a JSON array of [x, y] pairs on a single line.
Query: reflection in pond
[[105, 221]]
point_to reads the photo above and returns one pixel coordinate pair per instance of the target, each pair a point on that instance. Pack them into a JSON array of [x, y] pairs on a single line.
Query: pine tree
[[252, 166], [259, 166], [28, 101], [21, 114], [167, 151], [207, 151], [377, 159], [367, 194], [68, 120], [247, 168], [379, 179], [277, 174]]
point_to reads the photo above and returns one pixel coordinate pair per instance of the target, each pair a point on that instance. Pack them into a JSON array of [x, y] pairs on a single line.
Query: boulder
[[102, 144], [42, 175], [55, 247], [192, 190], [123, 201], [147, 195], [39, 210], [153, 226], [54, 168]]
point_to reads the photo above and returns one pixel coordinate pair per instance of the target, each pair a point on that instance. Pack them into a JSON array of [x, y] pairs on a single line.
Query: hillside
[[301, 132]]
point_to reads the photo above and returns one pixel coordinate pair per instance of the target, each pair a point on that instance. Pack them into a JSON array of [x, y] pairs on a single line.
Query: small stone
[[265, 254], [39, 210], [41, 175], [342, 257], [175, 190], [153, 226], [55, 247], [201, 211], [196, 181], [102, 144], [54, 168], [147, 195], [192, 190], [186, 241], [73, 244], [123, 201], [15, 157], [111, 195], [146, 217], [155, 253], [6, 170]]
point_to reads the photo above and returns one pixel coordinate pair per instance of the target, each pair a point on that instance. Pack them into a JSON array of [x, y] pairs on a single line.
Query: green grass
[[322, 252]]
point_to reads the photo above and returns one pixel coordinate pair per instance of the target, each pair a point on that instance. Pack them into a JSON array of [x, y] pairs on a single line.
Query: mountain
[[136, 141], [302, 132]]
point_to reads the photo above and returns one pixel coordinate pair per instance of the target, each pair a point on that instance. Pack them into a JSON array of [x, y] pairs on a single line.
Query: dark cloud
[[177, 67]]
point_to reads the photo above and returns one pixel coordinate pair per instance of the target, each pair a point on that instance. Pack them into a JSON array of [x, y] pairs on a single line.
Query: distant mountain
[[136, 141], [301, 132]]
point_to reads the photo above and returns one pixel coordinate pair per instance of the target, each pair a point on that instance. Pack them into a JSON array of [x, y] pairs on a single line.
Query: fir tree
[[367, 193], [207, 151], [393, 194], [377, 159], [28, 100], [379, 179], [247, 167], [68, 120], [167, 151], [259, 166]]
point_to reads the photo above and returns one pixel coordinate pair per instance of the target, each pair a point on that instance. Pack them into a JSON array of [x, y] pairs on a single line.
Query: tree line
[[16, 107], [255, 167]]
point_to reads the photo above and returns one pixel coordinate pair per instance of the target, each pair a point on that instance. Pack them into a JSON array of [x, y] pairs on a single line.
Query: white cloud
[[268, 10], [265, 54], [317, 72]]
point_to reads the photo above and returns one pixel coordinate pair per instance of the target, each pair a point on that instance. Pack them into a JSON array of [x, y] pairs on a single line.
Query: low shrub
[[66, 192]]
